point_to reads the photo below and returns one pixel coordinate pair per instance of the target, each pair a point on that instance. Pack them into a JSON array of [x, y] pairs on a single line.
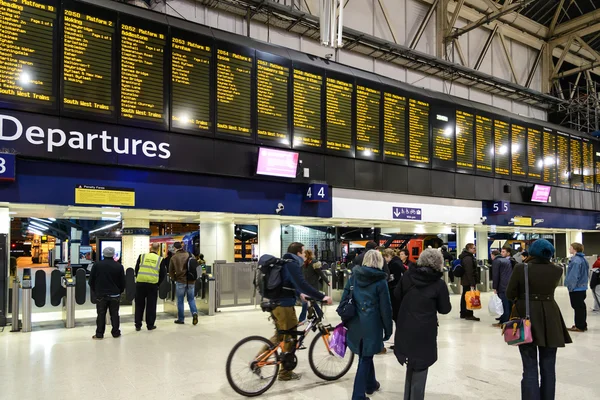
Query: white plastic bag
[[495, 307]]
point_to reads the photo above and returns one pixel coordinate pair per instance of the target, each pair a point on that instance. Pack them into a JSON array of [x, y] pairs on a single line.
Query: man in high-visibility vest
[[150, 272]]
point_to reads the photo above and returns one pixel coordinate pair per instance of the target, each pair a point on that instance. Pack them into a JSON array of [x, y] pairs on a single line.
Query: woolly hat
[[541, 248]]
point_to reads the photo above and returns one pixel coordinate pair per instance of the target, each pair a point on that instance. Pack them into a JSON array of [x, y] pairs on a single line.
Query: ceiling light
[[105, 227], [52, 219], [38, 225], [41, 220], [111, 213]]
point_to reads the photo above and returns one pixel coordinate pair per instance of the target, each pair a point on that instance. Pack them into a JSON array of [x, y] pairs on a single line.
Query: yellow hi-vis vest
[[149, 268]]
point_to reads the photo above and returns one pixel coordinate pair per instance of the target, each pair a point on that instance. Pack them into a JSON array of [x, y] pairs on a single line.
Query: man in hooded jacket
[[469, 279]]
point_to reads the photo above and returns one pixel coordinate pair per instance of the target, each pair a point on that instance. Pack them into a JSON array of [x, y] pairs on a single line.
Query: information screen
[[502, 147], [272, 101], [576, 163], [518, 150], [307, 109], [483, 143], [394, 126], [234, 93], [549, 156], [418, 131], [442, 125], [534, 154], [368, 125], [27, 52], [464, 140], [142, 73], [562, 159], [588, 165], [339, 114], [597, 164]]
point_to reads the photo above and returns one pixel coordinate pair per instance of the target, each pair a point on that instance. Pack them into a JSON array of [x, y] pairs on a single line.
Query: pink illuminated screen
[[541, 194], [277, 163]]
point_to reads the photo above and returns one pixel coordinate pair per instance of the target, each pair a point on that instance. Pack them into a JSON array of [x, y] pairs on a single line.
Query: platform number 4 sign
[[7, 167], [316, 193]]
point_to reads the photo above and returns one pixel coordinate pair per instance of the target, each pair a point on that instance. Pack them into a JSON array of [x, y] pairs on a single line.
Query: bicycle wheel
[[252, 366], [326, 364]]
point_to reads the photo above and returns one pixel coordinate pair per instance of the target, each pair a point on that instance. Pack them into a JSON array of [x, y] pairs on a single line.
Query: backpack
[[457, 269], [268, 280], [191, 269]]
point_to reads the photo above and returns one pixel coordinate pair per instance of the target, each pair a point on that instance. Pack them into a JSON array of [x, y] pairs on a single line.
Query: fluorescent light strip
[[41, 220], [38, 225], [105, 227], [34, 231]]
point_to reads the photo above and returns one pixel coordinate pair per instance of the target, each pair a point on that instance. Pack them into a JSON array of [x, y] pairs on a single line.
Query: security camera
[[483, 219], [279, 209]]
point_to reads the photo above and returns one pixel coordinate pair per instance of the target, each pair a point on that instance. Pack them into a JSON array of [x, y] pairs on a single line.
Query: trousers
[[365, 381], [533, 388], [578, 304], [284, 319], [110, 304], [146, 297], [463, 303], [414, 386], [596, 294]]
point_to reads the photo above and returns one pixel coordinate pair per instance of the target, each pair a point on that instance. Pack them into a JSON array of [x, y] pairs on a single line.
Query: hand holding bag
[[495, 308], [473, 299], [517, 331]]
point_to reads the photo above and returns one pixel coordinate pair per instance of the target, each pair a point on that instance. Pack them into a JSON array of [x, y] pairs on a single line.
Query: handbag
[[473, 299], [517, 331], [347, 308]]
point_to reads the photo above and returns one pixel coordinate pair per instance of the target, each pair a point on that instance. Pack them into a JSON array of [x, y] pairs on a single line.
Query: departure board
[[191, 62], [442, 127], [483, 143], [272, 101], [307, 109], [535, 160], [562, 159], [597, 165], [368, 103], [502, 147], [519, 150], [27, 51], [142, 73], [549, 156], [575, 145], [418, 131], [588, 165], [394, 126], [234, 93], [464, 140], [339, 114]]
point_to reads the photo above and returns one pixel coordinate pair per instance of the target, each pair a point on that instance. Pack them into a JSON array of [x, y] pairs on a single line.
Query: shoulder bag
[[517, 331], [347, 308]]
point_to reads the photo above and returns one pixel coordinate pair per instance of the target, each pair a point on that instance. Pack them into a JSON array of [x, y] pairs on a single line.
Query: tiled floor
[[187, 362]]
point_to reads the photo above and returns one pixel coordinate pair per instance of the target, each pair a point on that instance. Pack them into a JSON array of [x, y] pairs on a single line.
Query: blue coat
[[373, 322], [578, 274]]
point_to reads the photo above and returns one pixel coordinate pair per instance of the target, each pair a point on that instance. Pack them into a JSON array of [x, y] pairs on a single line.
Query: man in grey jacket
[[501, 272]]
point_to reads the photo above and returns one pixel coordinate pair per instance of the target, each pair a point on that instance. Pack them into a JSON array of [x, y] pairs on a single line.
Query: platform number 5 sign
[[7, 167], [316, 193]]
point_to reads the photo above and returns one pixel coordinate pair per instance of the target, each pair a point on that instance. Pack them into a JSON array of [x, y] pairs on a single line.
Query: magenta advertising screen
[[273, 162], [541, 194]]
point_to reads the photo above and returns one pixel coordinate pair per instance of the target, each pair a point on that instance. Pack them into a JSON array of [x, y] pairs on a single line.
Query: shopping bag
[[473, 299], [337, 344], [495, 307]]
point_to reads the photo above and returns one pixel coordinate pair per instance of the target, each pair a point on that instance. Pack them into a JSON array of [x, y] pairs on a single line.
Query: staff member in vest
[[149, 272]]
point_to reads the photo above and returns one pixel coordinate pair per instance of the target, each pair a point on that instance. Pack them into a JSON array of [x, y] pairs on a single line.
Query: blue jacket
[[501, 272], [373, 322], [578, 274], [292, 277]]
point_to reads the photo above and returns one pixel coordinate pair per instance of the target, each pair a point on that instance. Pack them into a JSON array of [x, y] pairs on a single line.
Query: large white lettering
[[34, 132], [76, 141], [18, 131], [52, 143]]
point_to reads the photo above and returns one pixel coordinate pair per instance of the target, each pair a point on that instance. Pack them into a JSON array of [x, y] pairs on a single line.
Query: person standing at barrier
[[468, 280], [178, 271], [448, 258], [107, 281], [577, 283], [150, 271], [313, 275], [501, 272]]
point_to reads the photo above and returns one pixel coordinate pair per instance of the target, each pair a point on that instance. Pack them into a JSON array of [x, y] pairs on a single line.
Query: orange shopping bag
[[473, 300]]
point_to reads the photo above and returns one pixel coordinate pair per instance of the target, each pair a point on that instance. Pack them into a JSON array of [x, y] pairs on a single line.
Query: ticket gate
[[485, 284]]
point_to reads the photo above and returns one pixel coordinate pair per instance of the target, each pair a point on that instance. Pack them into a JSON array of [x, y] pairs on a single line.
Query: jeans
[[414, 386], [507, 305], [463, 304], [146, 297], [578, 304], [531, 388], [596, 294], [305, 311], [365, 378], [112, 305], [182, 288]]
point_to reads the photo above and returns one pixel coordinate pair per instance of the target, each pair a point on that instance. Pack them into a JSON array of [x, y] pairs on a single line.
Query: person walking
[[404, 256], [421, 295], [548, 328], [178, 267], [577, 283], [595, 285], [107, 281], [468, 280], [372, 325], [501, 272], [397, 271], [313, 275], [150, 271]]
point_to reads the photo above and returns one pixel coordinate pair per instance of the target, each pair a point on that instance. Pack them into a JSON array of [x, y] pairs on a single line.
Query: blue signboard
[[499, 207], [316, 193], [412, 214], [7, 167]]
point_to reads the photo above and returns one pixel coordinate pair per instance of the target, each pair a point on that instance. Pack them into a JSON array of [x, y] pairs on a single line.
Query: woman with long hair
[[314, 276]]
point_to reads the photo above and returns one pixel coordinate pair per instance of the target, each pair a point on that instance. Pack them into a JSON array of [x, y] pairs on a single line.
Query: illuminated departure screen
[[27, 51], [142, 73], [483, 143], [502, 147], [597, 164], [519, 150], [307, 109], [394, 126], [534, 154], [234, 93], [464, 140], [549, 156], [562, 159], [191, 60], [368, 101], [442, 126], [418, 131], [588, 165], [339, 114], [576, 163], [272, 101]]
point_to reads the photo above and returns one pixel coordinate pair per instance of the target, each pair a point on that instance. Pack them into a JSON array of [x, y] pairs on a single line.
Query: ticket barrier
[[15, 323], [26, 294], [485, 284], [204, 292], [68, 282], [337, 294], [327, 289]]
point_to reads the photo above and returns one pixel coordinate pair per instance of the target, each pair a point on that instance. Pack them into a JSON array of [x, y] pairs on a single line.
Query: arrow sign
[[407, 213]]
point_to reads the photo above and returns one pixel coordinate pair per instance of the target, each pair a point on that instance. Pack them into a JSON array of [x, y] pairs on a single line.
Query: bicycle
[[261, 365]]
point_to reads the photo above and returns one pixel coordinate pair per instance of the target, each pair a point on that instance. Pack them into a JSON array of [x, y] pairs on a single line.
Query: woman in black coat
[[404, 256], [421, 295]]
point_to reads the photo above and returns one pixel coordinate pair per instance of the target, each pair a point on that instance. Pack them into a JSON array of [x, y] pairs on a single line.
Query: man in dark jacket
[[358, 261], [107, 281], [501, 272], [468, 280], [150, 271]]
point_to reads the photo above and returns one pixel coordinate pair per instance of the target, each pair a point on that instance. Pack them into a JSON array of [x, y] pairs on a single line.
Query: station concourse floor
[[187, 362]]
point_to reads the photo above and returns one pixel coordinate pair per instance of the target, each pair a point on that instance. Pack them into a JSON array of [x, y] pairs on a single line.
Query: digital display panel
[[27, 52], [339, 114], [549, 156], [464, 140], [394, 126], [234, 93], [307, 109], [87, 63], [418, 131], [588, 165], [368, 125], [502, 147], [272, 101], [576, 163], [277, 163], [442, 126], [541, 194], [483, 143], [519, 150], [142, 73], [562, 159], [597, 165], [534, 154]]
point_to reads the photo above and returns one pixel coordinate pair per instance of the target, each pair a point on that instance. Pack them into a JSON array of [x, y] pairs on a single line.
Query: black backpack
[[268, 280], [191, 269]]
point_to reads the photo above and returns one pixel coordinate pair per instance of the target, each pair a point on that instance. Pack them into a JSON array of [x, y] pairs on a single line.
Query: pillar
[[5, 263], [135, 240], [74, 245], [464, 235], [269, 237], [573, 237], [483, 250], [217, 241]]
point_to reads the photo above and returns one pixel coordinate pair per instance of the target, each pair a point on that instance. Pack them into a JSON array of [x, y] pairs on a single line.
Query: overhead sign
[[522, 221], [7, 167], [499, 207], [407, 213], [104, 196], [316, 193]]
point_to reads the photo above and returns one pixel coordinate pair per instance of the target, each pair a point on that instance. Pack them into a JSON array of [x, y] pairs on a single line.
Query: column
[[74, 245], [135, 240], [217, 241], [483, 250], [269, 237], [4, 272], [573, 237], [464, 235]]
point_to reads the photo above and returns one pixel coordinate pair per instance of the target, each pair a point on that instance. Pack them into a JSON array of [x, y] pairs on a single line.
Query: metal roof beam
[[583, 68], [577, 24]]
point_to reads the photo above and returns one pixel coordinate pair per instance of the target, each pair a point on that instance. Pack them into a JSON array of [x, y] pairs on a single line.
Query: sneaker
[[97, 338], [179, 322], [376, 389], [575, 329], [195, 322], [473, 319], [116, 336], [291, 376], [151, 328], [138, 328]]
